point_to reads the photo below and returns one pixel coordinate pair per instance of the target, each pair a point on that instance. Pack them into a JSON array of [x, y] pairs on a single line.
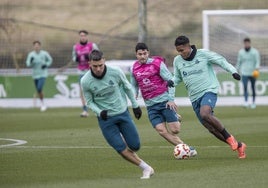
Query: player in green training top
[[194, 68], [105, 89], [248, 60], [39, 60]]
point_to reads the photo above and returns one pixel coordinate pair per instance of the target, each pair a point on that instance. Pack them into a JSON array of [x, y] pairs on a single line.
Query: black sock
[[239, 144], [225, 134]]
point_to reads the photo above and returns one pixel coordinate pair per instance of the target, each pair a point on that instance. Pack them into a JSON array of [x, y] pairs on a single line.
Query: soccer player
[[194, 68], [80, 53], [150, 75], [105, 89], [39, 60], [248, 61]]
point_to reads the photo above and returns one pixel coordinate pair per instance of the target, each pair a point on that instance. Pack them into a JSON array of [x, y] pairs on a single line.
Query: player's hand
[[87, 57], [172, 106], [137, 112], [44, 66], [77, 59], [31, 60], [170, 83], [236, 76], [104, 115]]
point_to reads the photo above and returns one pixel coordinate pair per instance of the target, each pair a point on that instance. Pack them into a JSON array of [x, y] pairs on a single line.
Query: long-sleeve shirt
[[164, 74], [108, 93], [36, 60], [248, 61], [198, 74]]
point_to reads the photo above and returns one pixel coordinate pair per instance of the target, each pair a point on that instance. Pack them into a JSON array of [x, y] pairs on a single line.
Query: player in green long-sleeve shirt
[[39, 60], [248, 60], [105, 89], [194, 68]]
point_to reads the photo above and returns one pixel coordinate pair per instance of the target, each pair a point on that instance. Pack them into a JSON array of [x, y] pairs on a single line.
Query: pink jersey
[[82, 52], [148, 78]]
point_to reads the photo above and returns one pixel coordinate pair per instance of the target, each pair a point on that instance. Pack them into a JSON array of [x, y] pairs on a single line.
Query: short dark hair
[[181, 40], [83, 31], [246, 39], [36, 42], [141, 46], [95, 55]]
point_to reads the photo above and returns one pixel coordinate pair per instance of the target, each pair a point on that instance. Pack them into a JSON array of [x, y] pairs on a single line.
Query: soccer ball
[[181, 151], [255, 73]]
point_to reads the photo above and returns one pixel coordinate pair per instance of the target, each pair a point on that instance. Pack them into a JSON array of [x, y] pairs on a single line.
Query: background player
[[194, 68], [39, 60], [248, 61], [150, 75], [80, 53], [103, 88]]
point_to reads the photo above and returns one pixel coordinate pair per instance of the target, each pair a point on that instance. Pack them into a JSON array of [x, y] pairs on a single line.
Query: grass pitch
[[66, 151]]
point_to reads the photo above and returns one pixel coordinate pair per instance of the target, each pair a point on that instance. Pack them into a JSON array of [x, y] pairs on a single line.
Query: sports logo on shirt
[[138, 74], [184, 73], [111, 83], [146, 81]]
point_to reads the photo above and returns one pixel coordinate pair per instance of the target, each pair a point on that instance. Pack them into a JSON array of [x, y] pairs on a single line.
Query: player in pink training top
[[151, 76], [81, 51]]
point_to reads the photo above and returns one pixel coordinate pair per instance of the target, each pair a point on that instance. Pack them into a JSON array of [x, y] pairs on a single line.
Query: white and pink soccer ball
[[181, 151]]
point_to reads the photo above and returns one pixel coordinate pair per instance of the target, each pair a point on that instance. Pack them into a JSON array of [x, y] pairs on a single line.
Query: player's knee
[[162, 131], [175, 128], [120, 148], [135, 146], [205, 116], [176, 131]]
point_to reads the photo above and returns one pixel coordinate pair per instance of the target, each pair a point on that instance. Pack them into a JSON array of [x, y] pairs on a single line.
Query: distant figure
[[248, 63], [39, 60], [80, 53]]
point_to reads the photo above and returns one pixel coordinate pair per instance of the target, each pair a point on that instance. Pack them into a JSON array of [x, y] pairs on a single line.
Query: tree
[[8, 28]]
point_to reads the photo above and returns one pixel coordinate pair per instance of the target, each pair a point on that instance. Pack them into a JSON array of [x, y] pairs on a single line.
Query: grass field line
[[18, 144], [108, 147]]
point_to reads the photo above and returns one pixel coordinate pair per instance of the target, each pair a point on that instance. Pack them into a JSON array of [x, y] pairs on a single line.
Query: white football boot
[[43, 108], [193, 152], [147, 173], [84, 114]]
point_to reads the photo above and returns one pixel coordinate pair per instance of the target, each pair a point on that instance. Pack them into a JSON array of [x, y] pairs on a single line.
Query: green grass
[[66, 151]]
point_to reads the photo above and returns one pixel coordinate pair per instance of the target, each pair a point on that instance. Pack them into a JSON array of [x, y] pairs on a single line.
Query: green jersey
[[108, 93], [248, 61], [197, 73], [39, 61]]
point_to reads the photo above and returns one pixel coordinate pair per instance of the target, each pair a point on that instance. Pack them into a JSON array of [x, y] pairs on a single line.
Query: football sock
[[225, 134], [85, 108], [239, 144], [42, 102], [143, 165]]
